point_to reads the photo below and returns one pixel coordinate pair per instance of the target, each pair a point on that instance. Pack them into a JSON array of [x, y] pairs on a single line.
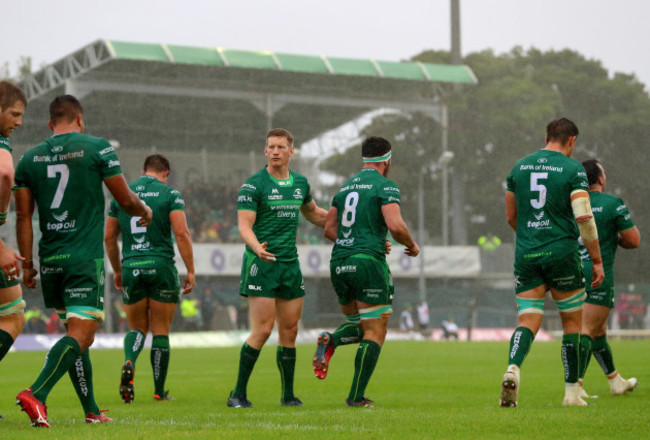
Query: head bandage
[[383, 158]]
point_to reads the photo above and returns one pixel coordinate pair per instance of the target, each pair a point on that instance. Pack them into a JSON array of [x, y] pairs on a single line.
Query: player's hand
[[9, 263], [264, 255], [412, 251], [389, 247], [117, 279], [145, 220], [29, 277], [188, 285], [598, 275]]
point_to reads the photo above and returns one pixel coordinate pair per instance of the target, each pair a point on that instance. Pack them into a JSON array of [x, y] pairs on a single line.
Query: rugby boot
[[510, 387], [98, 418], [291, 402], [35, 409], [363, 403], [619, 386], [165, 396], [572, 395], [127, 391], [324, 352], [239, 401]]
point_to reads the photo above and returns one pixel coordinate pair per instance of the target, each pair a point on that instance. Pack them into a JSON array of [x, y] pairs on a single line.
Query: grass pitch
[[421, 389]]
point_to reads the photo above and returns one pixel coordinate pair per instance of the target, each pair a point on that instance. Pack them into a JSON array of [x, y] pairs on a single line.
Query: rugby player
[[63, 176], [147, 274], [547, 205], [12, 305], [363, 210], [615, 228], [268, 206]]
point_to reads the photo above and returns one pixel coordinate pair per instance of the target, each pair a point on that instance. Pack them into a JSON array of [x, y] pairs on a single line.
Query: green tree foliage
[[503, 118]]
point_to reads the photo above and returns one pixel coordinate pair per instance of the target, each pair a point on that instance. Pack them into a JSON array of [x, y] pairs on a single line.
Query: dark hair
[[157, 163], [9, 94], [593, 170], [561, 130], [64, 108], [375, 146], [281, 132]]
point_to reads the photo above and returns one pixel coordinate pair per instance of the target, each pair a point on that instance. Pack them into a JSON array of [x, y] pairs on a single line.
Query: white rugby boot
[[619, 386], [572, 395], [510, 387]]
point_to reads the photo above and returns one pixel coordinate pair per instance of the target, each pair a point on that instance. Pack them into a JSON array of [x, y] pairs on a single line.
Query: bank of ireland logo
[[57, 149], [254, 269], [542, 160], [539, 216], [140, 188], [61, 217]]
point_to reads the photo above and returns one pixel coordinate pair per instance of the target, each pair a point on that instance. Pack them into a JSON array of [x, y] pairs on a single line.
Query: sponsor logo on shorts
[[564, 281], [254, 287], [51, 269], [78, 292], [345, 269], [372, 293]]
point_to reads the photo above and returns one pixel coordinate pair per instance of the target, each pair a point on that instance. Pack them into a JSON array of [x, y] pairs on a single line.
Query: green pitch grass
[[421, 389]]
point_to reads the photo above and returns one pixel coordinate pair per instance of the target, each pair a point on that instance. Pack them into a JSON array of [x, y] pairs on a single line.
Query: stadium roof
[[187, 97]]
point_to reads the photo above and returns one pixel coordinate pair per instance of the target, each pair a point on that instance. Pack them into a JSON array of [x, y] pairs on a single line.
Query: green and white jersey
[[361, 225], [154, 240], [277, 204], [612, 217], [542, 183], [5, 144], [65, 175]]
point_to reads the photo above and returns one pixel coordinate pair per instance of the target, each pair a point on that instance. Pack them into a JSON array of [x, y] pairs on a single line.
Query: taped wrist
[[584, 217]]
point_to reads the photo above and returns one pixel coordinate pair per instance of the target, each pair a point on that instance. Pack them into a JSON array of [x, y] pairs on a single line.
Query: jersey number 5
[[540, 201]]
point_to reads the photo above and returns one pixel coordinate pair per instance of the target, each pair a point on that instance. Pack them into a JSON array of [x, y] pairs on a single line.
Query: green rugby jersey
[[542, 183], [361, 225], [277, 204], [611, 217], [5, 144], [155, 239], [65, 175]]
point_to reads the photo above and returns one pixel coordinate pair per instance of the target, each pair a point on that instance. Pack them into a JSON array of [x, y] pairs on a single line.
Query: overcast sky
[[615, 32]]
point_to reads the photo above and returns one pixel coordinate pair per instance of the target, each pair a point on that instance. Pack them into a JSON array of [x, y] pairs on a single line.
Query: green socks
[[520, 343], [58, 361], [347, 333], [286, 360], [364, 365], [585, 354], [133, 345], [603, 354], [571, 357], [6, 341], [159, 362], [247, 358], [81, 375]]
